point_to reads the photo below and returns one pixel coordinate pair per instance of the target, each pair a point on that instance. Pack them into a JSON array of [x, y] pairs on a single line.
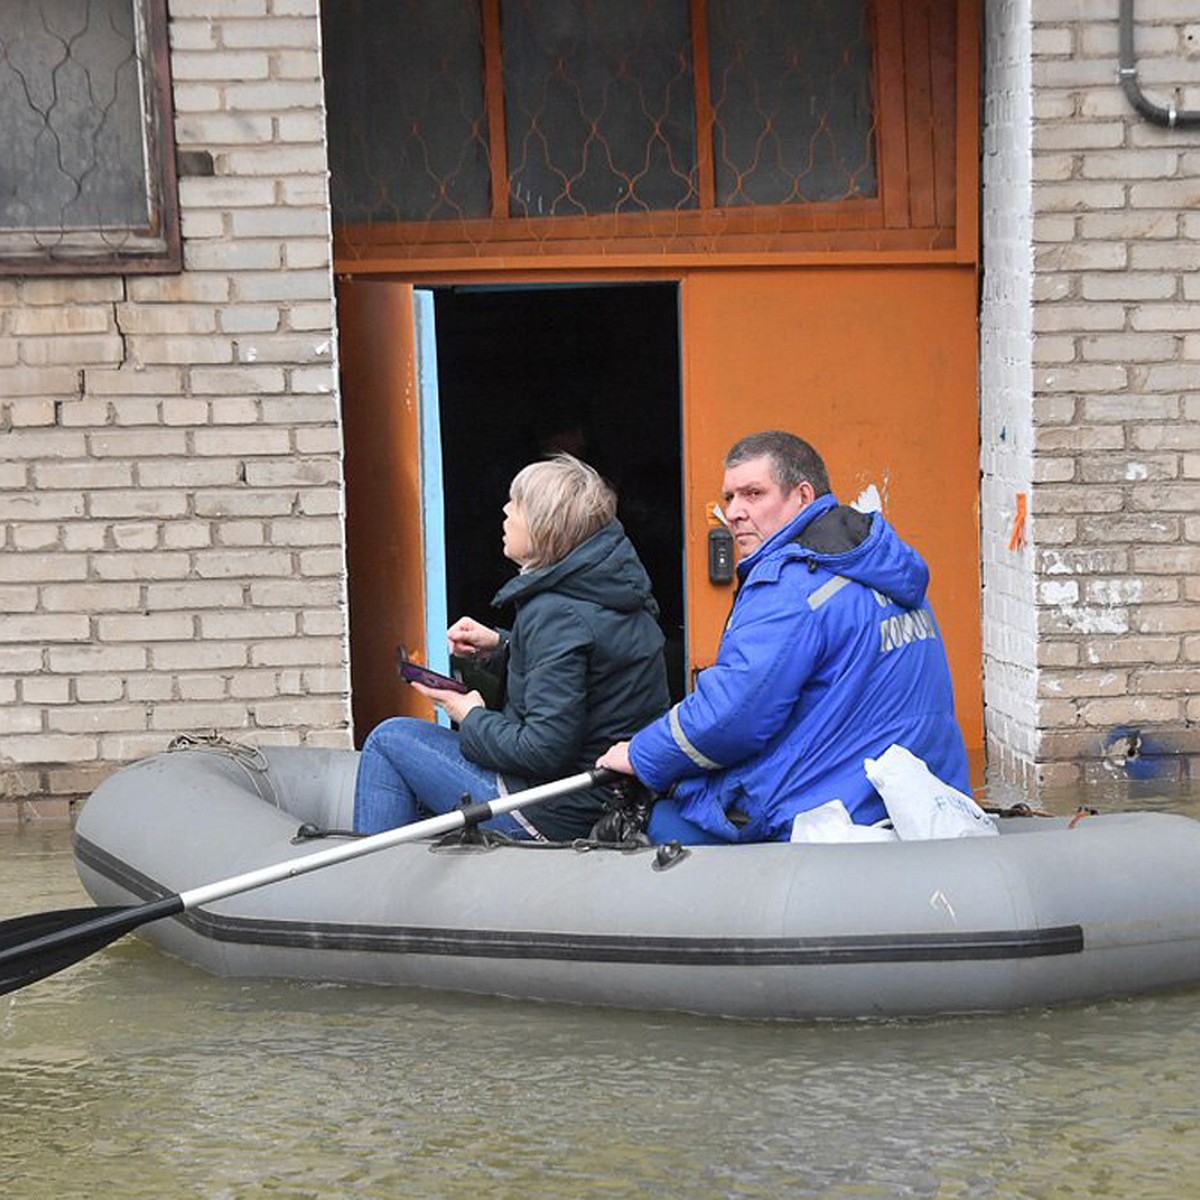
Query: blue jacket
[[585, 669], [830, 655]]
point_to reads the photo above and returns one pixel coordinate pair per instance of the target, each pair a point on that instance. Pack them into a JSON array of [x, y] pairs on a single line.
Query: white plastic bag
[[831, 822], [919, 803]]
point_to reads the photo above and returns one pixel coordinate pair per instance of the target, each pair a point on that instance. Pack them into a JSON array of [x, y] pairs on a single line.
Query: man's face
[[755, 505]]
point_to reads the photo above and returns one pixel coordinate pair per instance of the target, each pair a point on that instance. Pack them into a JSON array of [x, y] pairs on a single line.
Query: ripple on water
[[135, 1076]]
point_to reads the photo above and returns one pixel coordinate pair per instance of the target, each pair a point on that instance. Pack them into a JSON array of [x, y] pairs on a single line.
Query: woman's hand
[[616, 758], [467, 637], [455, 705]]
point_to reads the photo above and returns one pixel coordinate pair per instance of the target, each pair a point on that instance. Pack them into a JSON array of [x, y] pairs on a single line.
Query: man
[[830, 655]]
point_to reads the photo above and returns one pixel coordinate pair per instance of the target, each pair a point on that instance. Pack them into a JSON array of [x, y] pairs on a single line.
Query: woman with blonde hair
[[583, 668]]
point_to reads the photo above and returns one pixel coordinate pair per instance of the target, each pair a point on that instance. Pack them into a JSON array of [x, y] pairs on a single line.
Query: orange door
[[876, 367], [381, 431]]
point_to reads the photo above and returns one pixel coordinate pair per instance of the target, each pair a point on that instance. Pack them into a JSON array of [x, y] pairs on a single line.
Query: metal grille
[[87, 155], [408, 135], [598, 104], [518, 110], [791, 99], [72, 154]]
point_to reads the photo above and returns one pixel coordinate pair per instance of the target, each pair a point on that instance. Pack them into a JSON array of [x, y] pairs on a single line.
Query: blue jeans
[[411, 769]]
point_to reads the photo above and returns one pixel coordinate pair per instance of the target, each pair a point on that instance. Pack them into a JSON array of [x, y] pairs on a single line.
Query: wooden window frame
[[153, 248], [927, 120]]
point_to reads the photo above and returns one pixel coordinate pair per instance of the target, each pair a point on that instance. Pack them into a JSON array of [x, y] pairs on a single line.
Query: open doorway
[[524, 371]]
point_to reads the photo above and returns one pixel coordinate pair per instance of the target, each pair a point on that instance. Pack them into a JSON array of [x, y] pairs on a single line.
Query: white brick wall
[[1113, 400], [1118, 263], [170, 480], [1006, 378]]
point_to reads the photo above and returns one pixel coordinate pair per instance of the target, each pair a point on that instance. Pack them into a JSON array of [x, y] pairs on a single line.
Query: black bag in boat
[[624, 821]]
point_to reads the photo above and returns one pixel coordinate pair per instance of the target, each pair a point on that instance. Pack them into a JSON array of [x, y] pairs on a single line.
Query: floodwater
[[132, 1076]]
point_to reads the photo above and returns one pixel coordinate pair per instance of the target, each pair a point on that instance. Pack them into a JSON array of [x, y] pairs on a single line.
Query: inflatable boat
[[1052, 910]]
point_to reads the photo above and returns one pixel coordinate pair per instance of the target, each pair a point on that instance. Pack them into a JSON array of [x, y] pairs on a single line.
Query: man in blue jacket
[[830, 654]]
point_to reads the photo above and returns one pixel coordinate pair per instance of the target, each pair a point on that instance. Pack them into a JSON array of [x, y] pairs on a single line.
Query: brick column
[[1006, 415]]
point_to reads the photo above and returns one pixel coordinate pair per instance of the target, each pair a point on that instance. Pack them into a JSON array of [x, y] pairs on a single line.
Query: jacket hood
[[604, 570], [858, 546]]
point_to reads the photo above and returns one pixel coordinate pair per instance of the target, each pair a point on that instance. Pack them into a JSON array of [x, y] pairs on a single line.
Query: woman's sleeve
[[495, 660], [546, 741]]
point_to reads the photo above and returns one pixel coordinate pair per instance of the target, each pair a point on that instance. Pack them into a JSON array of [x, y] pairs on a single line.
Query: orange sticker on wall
[[1016, 540]]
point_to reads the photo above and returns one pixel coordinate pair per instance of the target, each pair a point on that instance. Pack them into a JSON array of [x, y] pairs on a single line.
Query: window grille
[[86, 175], [793, 121], [598, 105], [408, 124], [478, 126]]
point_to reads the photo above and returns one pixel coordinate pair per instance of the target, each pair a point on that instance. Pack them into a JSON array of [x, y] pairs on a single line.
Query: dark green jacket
[[585, 670]]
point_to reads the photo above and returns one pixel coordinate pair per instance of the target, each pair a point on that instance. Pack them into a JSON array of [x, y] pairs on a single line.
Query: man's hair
[[793, 460], [564, 502]]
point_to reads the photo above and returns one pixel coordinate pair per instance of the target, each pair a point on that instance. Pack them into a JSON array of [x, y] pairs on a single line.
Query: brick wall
[[170, 481], [1006, 375], [170, 478], [1114, 544]]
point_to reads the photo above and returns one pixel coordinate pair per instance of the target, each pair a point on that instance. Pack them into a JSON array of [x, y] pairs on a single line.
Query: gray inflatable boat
[[1045, 913]]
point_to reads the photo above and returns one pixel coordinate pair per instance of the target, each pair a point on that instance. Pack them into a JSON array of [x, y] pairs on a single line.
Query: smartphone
[[412, 672]]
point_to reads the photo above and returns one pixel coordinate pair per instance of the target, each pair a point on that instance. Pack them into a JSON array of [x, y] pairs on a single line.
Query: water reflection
[[135, 1076]]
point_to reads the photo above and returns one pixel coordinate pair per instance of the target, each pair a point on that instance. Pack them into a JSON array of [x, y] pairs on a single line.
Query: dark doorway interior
[[592, 370]]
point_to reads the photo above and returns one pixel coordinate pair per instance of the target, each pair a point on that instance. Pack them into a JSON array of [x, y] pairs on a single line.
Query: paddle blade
[[42, 944]]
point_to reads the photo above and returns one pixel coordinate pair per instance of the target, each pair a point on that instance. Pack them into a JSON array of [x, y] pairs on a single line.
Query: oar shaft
[[468, 815]]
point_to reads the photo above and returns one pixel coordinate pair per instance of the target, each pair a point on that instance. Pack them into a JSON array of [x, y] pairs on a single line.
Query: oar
[[40, 944]]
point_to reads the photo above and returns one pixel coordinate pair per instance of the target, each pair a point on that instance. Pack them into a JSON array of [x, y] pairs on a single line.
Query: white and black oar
[[40, 944]]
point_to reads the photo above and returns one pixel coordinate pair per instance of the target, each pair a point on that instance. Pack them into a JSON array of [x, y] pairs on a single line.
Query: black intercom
[[720, 555]]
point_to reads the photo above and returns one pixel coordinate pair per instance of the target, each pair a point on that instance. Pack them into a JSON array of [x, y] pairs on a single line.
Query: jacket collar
[[777, 544]]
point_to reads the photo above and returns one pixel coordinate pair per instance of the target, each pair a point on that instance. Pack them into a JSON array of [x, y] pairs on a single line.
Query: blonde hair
[[564, 502]]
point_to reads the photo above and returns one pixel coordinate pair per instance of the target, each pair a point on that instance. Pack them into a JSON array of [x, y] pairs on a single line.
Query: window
[[87, 179], [405, 91], [462, 127], [790, 89], [599, 108]]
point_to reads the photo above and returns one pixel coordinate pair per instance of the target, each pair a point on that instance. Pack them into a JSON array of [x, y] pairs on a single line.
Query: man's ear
[[804, 493]]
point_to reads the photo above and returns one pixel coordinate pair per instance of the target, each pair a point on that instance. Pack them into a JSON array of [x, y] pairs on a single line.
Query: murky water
[[135, 1076]]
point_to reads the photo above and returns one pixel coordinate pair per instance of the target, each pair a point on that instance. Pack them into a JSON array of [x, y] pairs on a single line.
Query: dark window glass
[[69, 88], [599, 106], [85, 147], [791, 95], [408, 138]]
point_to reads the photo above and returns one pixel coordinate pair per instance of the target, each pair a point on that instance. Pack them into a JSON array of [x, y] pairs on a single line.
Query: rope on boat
[[480, 839], [309, 832], [250, 758], [1019, 809]]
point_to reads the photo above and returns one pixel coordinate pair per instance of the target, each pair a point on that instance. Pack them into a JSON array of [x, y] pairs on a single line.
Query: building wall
[[170, 481], [1006, 384], [171, 547], [1114, 541]]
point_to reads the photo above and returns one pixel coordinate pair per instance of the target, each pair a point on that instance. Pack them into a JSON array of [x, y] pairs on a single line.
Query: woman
[[584, 669]]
